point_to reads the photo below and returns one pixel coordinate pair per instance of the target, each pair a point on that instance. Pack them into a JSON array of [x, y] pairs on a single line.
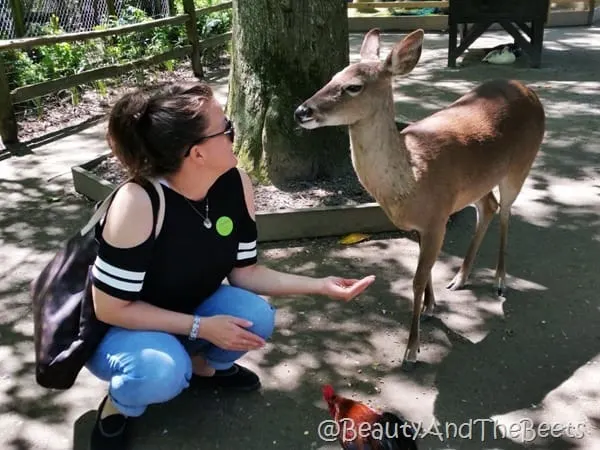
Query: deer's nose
[[303, 113]]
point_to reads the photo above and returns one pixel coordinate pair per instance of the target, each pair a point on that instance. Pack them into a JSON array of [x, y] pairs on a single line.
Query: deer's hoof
[[457, 282], [427, 315], [501, 289], [409, 366], [409, 362]]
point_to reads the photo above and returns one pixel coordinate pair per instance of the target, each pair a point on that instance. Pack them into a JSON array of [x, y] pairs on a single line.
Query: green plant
[[49, 62], [214, 24]]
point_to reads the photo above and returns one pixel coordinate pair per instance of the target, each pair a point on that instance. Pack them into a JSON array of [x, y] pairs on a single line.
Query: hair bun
[[140, 107], [150, 128]]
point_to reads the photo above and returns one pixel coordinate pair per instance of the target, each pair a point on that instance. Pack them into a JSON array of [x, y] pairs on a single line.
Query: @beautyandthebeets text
[[524, 430]]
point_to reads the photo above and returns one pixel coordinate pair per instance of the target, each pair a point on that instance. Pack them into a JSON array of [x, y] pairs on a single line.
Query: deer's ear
[[370, 45], [405, 55]]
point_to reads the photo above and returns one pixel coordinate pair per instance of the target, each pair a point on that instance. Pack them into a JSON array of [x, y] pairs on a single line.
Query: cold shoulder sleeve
[[247, 232], [118, 271], [247, 248]]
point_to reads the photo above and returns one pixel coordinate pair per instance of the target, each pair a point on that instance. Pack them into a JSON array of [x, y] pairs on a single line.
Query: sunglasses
[[229, 131]]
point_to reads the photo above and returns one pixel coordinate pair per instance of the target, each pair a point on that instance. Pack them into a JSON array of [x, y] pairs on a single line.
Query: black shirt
[[187, 262]]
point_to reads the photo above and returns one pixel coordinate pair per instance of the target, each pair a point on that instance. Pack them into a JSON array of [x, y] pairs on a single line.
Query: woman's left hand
[[344, 288]]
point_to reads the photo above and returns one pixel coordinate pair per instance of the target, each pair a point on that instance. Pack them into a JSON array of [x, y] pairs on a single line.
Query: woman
[[173, 321]]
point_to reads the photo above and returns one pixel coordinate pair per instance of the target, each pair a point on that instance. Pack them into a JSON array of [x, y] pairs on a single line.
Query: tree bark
[[282, 52]]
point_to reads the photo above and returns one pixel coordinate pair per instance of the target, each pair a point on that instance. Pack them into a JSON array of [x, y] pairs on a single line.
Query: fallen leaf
[[353, 238]]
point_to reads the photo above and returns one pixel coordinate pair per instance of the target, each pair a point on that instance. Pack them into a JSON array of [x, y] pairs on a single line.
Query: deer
[[423, 173]]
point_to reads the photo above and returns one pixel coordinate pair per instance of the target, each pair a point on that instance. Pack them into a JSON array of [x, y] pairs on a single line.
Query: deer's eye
[[353, 89]]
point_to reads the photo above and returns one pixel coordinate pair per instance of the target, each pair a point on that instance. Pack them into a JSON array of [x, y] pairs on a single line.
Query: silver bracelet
[[194, 331]]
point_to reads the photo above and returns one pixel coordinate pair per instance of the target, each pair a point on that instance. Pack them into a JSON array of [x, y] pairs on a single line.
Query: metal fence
[[73, 15]]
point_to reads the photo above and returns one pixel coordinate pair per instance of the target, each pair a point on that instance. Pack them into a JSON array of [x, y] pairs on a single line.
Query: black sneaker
[[110, 432], [236, 378]]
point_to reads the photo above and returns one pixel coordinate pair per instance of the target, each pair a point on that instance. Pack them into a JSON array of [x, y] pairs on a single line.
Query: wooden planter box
[[434, 22], [272, 225]]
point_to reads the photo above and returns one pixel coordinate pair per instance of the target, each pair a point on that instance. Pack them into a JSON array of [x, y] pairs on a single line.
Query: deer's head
[[358, 90]]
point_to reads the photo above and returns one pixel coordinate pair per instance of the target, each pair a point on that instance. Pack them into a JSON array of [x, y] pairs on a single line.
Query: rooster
[[363, 428]]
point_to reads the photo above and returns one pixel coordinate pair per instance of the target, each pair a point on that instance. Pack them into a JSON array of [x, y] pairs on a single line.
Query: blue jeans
[[146, 367]]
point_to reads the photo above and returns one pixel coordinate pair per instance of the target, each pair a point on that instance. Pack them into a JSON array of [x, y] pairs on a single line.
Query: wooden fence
[[554, 4], [8, 97]]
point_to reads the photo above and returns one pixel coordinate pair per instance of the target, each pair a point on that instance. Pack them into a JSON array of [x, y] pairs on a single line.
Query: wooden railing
[[400, 4], [409, 4], [8, 97]]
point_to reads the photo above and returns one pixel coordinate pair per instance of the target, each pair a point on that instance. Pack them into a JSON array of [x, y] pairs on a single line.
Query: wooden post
[[172, 8], [110, 7], [8, 122], [590, 18], [18, 17], [452, 41], [157, 8], [192, 33]]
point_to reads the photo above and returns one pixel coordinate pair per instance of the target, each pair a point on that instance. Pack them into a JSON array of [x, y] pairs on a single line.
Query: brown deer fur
[[436, 166]]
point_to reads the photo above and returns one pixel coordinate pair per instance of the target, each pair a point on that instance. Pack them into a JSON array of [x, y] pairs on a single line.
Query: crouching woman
[[173, 322]]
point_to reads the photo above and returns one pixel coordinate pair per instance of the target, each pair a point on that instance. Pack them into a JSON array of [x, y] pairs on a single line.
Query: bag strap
[[97, 216], [161, 206]]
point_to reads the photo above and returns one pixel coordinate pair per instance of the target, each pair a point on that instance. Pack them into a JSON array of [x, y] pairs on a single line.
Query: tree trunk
[[282, 52]]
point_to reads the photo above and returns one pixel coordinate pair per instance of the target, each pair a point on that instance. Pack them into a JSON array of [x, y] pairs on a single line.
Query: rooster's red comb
[[328, 392]]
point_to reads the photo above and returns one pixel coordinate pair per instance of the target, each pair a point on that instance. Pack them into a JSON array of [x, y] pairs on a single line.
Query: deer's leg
[[430, 245], [429, 303], [486, 208], [508, 194], [429, 306], [501, 267]]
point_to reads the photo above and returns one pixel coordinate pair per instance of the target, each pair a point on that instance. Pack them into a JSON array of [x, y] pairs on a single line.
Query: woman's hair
[[150, 129]]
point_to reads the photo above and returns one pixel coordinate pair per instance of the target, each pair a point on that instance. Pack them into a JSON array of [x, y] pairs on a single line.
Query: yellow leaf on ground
[[353, 238]]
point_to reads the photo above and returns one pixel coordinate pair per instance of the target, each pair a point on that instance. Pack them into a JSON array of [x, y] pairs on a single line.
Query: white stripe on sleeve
[[246, 255], [115, 283], [116, 272], [247, 245]]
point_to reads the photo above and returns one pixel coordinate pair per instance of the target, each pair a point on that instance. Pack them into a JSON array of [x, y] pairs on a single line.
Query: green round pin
[[224, 226]]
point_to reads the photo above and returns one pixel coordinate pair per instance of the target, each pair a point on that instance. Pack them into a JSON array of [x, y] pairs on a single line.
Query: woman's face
[[218, 150]]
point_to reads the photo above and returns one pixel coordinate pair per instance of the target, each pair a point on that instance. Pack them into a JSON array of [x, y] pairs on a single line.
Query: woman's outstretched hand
[[344, 288]]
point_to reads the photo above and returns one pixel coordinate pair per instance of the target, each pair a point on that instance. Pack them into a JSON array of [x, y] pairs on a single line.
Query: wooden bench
[[475, 16]]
